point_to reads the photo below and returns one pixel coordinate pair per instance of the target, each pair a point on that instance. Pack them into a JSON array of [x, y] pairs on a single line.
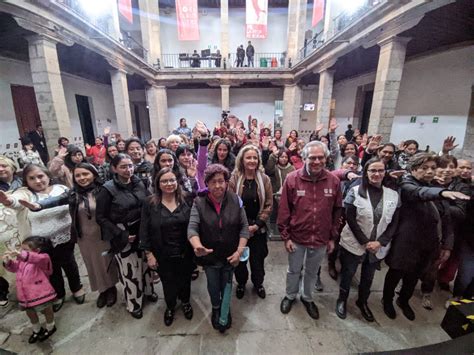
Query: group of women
[[161, 208]]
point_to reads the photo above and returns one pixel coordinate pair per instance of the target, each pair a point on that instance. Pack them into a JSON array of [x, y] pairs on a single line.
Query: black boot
[[341, 309], [216, 312], [365, 310]]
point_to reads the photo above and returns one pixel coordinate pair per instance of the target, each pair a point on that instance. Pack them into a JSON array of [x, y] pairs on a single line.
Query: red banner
[[318, 12], [256, 18], [125, 8], [188, 20]]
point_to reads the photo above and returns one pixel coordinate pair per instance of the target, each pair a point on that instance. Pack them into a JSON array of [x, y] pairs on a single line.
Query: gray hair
[[308, 146]]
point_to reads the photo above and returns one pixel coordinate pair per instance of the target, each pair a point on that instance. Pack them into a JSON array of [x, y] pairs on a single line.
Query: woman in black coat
[[423, 230], [163, 236]]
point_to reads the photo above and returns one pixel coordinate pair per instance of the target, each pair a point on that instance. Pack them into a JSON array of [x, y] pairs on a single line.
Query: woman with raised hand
[[251, 184], [101, 268], [62, 164], [163, 236], [53, 224], [118, 210], [372, 218]]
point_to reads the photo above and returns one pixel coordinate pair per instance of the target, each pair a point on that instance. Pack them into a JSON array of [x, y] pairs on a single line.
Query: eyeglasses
[[376, 171], [168, 182]]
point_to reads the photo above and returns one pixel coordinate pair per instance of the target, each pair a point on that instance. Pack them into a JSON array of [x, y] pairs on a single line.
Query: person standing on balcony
[[195, 60], [240, 56], [250, 51], [218, 59]]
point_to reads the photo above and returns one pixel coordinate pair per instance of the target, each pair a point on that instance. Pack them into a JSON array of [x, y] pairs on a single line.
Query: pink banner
[[318, 12], [188, 20], [125, 8], [256, 18]]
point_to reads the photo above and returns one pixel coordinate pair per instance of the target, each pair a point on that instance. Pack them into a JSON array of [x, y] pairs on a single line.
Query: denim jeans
[[311, 258], [350, 263], [217, 278], [464, 284]]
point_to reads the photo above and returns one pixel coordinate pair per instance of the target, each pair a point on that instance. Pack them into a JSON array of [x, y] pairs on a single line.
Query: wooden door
[[26, 108]]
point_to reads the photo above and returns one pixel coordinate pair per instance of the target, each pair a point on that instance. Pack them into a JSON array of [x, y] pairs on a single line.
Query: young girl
[[28, 155], [35, 294]]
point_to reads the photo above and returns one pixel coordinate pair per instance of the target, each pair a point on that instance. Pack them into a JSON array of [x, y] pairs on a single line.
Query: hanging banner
[[318, 12], [125, 9], [188, 20], [256, 18]]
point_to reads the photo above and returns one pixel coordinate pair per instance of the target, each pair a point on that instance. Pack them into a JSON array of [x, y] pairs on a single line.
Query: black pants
[[175, 275], [62, 258], [350, 263], [3, 289], [258, 252], [392, 278]]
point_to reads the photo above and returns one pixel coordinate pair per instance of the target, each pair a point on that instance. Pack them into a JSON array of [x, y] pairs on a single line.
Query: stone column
[[291, 107], [158, 111], [328, 23], [224, 31], [387, 85], [49, 90], [114, 23], [323, 109], [225, 97], [296, 28], [150, 28], [121, 102], [468, 147]]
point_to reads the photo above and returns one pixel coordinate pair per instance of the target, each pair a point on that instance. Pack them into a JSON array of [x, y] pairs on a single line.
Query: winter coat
[[422, 227], [32, 278]]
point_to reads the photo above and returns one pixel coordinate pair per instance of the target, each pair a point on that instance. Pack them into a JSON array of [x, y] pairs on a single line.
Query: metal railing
[[104, 24], [187, 60], [338, 25], [133, 45]]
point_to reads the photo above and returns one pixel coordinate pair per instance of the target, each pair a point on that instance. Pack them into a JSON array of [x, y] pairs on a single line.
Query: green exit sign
[[413, 119], [435, 119]]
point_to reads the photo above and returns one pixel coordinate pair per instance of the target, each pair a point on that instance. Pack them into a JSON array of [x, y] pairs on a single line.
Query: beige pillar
[[291, 107], [224, 31], [121, 102], [150, 28], [387, 85], [328, 21], [158, 111], [468, 147], [225, 97], [323, 109], [296, 28], [49, 90]]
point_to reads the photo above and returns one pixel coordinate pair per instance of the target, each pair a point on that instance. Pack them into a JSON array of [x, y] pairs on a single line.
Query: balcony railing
[[104, 24], [187, 60], [338, 25]]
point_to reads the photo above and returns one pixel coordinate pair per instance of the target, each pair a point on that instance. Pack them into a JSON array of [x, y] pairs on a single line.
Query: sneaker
[[319, 285], [426, 301], [3, 303], [188, 310]]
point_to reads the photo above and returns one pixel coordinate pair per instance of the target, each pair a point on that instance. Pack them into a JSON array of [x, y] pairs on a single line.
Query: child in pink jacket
[[34, 291]]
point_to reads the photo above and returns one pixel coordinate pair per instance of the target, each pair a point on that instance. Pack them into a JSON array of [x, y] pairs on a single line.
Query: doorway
[[85, 118], [26, 109], [364, 121]]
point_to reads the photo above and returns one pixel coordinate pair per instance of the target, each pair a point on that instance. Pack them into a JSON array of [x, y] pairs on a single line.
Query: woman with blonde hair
[[255, 189], [173, 142]]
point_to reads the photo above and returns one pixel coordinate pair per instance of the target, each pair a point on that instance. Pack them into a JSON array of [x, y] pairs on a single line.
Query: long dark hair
[[229, 161], [156, 163], [365, 178], [155, 199], [73, 150], [118, 158], [97, 180]]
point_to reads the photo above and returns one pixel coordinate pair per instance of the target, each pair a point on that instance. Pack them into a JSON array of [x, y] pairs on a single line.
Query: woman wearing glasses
[[163, 236], [372, 217], [119, 204]]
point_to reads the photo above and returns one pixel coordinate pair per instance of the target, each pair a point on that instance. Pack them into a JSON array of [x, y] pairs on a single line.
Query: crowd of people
[[210, 198]]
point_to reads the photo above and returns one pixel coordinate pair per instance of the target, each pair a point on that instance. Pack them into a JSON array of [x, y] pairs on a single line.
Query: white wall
[[260, 103], [210, 31], [435, 86], [194, 104], [438, 85], [17, 72]]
